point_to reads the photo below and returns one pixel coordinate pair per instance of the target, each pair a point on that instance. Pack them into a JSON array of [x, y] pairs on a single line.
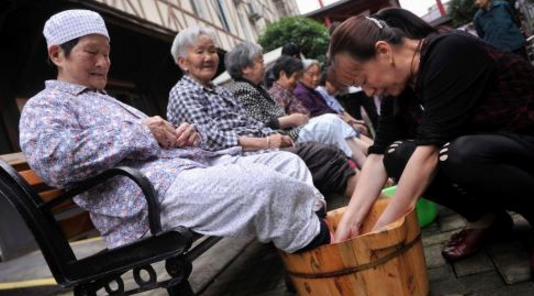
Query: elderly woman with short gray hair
[[246, 67], [305, 90], [223, 123], [253, 198]]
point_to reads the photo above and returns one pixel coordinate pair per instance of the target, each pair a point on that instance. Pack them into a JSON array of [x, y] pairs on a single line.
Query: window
[[220, 8], [246, 27], [197, 8]]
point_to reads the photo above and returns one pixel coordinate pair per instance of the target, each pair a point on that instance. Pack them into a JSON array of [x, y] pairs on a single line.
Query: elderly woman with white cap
[[72, 130]]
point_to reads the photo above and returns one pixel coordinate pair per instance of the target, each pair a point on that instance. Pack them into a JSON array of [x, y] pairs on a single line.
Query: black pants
[[477, 174], [327, 164]]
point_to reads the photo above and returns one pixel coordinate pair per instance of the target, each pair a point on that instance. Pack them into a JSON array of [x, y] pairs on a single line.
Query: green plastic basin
[[427, 211]]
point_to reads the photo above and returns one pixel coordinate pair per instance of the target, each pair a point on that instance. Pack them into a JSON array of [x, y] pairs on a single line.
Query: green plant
[[461, 12], [310, 35]]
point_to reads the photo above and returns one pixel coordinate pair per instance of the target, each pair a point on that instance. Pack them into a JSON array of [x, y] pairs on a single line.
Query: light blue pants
[[328, 129]]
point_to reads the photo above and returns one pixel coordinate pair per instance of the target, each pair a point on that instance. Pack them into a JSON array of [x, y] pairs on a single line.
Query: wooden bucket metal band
[[358, 268]]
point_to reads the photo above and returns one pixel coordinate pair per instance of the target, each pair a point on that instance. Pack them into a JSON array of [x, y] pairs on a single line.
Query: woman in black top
[[457, 125]]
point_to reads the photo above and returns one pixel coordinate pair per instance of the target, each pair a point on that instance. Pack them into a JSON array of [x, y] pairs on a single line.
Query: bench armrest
[[135, 175]]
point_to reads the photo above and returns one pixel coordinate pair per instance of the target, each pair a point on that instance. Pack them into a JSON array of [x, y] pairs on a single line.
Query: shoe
[[470, 241], [465, 243]]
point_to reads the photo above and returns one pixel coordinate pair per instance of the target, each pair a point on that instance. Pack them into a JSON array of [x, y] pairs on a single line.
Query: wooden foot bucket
[[386, 263]]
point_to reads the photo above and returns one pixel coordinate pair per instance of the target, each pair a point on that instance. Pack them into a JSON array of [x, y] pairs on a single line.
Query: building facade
[[142, 31], [233, 20], [341, 10]]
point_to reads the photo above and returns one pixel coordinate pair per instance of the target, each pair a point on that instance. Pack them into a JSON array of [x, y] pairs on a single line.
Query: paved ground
[[244, 267]]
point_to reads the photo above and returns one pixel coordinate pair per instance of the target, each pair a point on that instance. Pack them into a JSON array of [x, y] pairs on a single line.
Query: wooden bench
[[54, 220]]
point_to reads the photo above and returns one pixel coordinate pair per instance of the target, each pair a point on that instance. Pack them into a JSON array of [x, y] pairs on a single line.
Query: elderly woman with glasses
[[224, 123], [246, 67]]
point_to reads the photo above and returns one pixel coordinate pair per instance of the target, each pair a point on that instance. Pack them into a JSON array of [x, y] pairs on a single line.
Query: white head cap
[[71, 24]]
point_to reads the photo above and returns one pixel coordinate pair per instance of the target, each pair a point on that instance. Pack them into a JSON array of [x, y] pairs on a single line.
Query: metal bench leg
[[179, 268], [182, 289]]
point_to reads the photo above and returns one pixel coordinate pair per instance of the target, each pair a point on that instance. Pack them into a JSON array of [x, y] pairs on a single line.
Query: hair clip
[[377, 22]]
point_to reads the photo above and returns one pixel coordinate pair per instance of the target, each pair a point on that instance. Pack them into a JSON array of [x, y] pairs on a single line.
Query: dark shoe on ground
[[468, 242]]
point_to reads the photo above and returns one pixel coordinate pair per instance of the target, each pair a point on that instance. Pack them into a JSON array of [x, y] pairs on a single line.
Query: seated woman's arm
[[270, 142], [167, 136], [293, 120], [356, 124], [349, 119], [62, 152]]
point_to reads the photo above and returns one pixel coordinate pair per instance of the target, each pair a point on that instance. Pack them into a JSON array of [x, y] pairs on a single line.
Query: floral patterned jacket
[[69, 133]]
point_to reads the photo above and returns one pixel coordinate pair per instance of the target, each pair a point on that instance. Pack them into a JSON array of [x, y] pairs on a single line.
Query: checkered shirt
[[215, 112]]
